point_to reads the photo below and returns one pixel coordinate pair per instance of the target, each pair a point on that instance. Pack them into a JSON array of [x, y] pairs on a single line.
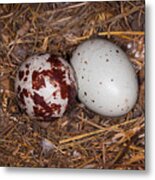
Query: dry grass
[[81, 139]]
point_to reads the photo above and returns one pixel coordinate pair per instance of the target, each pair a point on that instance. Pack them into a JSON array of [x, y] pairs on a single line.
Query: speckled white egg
[[107, 82], [45, 86]]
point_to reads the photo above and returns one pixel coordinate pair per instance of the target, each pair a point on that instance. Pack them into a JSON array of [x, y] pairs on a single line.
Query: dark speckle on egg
[[85, 62], [21, 75], [128, 107], [27, 72], [112, 80], [117, 51], [126, 100]]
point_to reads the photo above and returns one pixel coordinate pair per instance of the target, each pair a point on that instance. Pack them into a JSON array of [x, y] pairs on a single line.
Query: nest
[[81, 138]]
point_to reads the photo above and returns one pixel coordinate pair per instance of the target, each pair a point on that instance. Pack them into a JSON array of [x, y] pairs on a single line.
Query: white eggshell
[[107, 82], [45, 86]]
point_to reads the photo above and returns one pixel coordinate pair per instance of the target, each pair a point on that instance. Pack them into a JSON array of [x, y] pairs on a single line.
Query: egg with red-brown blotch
[[45, 86]]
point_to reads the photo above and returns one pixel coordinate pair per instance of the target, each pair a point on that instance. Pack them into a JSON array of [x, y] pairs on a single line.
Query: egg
[[45, 86], [107, 82]]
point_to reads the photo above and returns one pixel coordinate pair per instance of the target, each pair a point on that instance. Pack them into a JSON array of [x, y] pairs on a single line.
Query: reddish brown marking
[[38, 80], [58, 75], [25, 92], [39, 100], [27, 65], [56, 107], [21, 96], [27, 72], [18, 89], [67, 91], [21, 75], [25, 79], [55, 85], [55, 93]]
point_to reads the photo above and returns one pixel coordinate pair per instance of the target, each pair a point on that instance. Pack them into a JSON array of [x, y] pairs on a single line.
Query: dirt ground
[[81, 138]]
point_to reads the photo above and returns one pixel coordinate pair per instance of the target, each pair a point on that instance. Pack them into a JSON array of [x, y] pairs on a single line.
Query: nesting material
[[81, 138]]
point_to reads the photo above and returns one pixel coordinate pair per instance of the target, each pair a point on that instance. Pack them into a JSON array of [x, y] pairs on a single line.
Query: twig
[[94, 132], [140, 33], [124, 14]]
